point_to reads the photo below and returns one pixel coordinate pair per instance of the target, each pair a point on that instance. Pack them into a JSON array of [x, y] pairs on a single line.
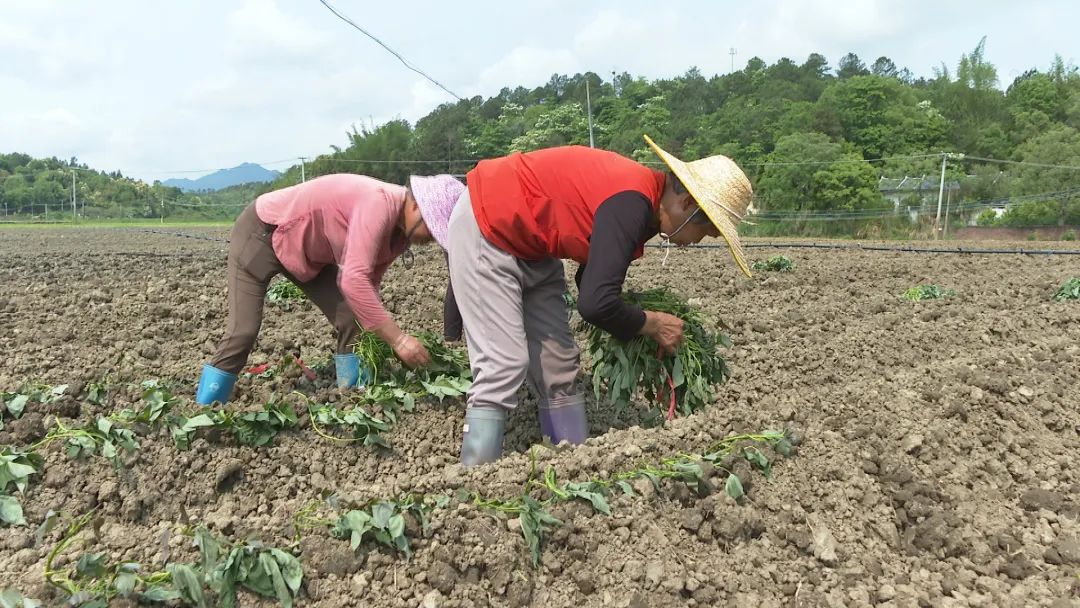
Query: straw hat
[[720, 188], [436, 196]]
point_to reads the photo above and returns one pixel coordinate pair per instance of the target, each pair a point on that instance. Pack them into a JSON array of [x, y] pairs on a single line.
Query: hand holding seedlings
[[666, 329]]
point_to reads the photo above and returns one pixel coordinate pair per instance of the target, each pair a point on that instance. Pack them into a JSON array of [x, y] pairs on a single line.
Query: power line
[[393, 161], [828, 162], [389, 50], [1022, 162], [883, 214]]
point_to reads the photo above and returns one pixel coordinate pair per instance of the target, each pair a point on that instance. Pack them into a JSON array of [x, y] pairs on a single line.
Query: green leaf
[[759, 460], [11, 513], [91, 565], [783, 447], [51, 519], [125, 583], [396, 526], [159, 593], [733, 487], [626, 487], [381, 512], [15, 468], [291, 570], [108, 450], [188, 584], [17, 404]]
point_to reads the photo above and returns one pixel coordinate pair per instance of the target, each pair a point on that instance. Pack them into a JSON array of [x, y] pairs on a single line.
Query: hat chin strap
[[408, 258], [665, 239]]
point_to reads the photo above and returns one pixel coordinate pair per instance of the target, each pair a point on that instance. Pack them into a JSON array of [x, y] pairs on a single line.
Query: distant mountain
[[244, 174]]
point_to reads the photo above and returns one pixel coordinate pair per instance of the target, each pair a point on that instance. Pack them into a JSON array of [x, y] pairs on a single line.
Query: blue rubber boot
[[349, 372], [483, 438], [214, 386], [563, 419]]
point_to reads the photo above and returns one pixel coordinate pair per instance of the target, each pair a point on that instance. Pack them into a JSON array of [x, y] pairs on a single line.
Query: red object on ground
[[307, 371], [671, 387]]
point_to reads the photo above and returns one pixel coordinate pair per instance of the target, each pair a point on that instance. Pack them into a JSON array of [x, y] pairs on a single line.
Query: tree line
[[814, 139]]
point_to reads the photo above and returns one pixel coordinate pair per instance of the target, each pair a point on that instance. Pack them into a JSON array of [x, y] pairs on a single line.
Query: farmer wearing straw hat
[[334, 236], [524, 213]]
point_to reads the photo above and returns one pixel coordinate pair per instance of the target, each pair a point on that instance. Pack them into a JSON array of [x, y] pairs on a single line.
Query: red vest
[[541, 204]]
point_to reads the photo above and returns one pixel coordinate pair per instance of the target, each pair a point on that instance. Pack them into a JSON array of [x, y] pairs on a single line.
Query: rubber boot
[[215, 385], [349, 372], [563, 419], [483, 438]]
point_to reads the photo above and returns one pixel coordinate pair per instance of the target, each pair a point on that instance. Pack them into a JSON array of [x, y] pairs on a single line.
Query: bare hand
[[666, 329], [411, 352]]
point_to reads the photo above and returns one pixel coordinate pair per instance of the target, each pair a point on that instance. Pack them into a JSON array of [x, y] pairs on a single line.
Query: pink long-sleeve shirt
[[343, 219]]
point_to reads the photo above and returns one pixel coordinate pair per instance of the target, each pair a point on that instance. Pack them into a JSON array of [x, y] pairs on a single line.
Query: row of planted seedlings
[[683, 382], [223, 566], [1069, 290], [115, 437], [383, 521], [93, 581], [690, 375]]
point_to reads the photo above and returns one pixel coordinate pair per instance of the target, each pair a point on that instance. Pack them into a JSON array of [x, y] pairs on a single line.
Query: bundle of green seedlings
[[776, 263], [1069, 291], [285, 293], [622, 369], [382, 521], [927, 292], [223, 568], [391, 389]]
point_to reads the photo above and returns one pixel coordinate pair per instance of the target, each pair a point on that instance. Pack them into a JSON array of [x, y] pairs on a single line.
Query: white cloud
[[527, 66], [261, 34], [141, 86]]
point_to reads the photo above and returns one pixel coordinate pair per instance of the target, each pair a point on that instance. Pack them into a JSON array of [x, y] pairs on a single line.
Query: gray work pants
[[515, 318]]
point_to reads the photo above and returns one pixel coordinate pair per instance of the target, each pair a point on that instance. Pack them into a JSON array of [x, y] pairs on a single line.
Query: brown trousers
[[252, 265]]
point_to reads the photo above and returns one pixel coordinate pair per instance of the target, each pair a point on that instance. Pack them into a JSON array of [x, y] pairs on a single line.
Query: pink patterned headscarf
[[436, 197]]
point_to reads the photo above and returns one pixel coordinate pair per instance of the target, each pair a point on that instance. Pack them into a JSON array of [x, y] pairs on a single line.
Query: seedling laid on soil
[[223, 568], [776, 263], [250, 428], [381, 521], [356, 421], [623, 368], [1069, 291], [927, 292], [285, 293], [13, 404]]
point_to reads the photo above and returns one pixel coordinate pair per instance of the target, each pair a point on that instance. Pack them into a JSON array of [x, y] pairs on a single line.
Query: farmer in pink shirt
[[334, 236]]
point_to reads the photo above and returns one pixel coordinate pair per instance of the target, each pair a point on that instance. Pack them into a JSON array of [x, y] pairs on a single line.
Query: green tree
[[559, 126], [850, 66], [1057, 146], [880, 116], [808, 172]]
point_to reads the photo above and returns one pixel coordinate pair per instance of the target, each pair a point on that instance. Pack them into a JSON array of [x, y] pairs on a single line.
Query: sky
[[180, 89]]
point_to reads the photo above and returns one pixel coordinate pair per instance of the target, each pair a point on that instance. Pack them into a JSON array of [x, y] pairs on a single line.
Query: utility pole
[[74, 206], [940, 196], [588, 102], [303, 178], [449, 151], [732, 52]]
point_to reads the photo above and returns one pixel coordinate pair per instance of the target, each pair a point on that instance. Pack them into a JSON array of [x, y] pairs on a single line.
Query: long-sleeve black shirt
[[621, 224]]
